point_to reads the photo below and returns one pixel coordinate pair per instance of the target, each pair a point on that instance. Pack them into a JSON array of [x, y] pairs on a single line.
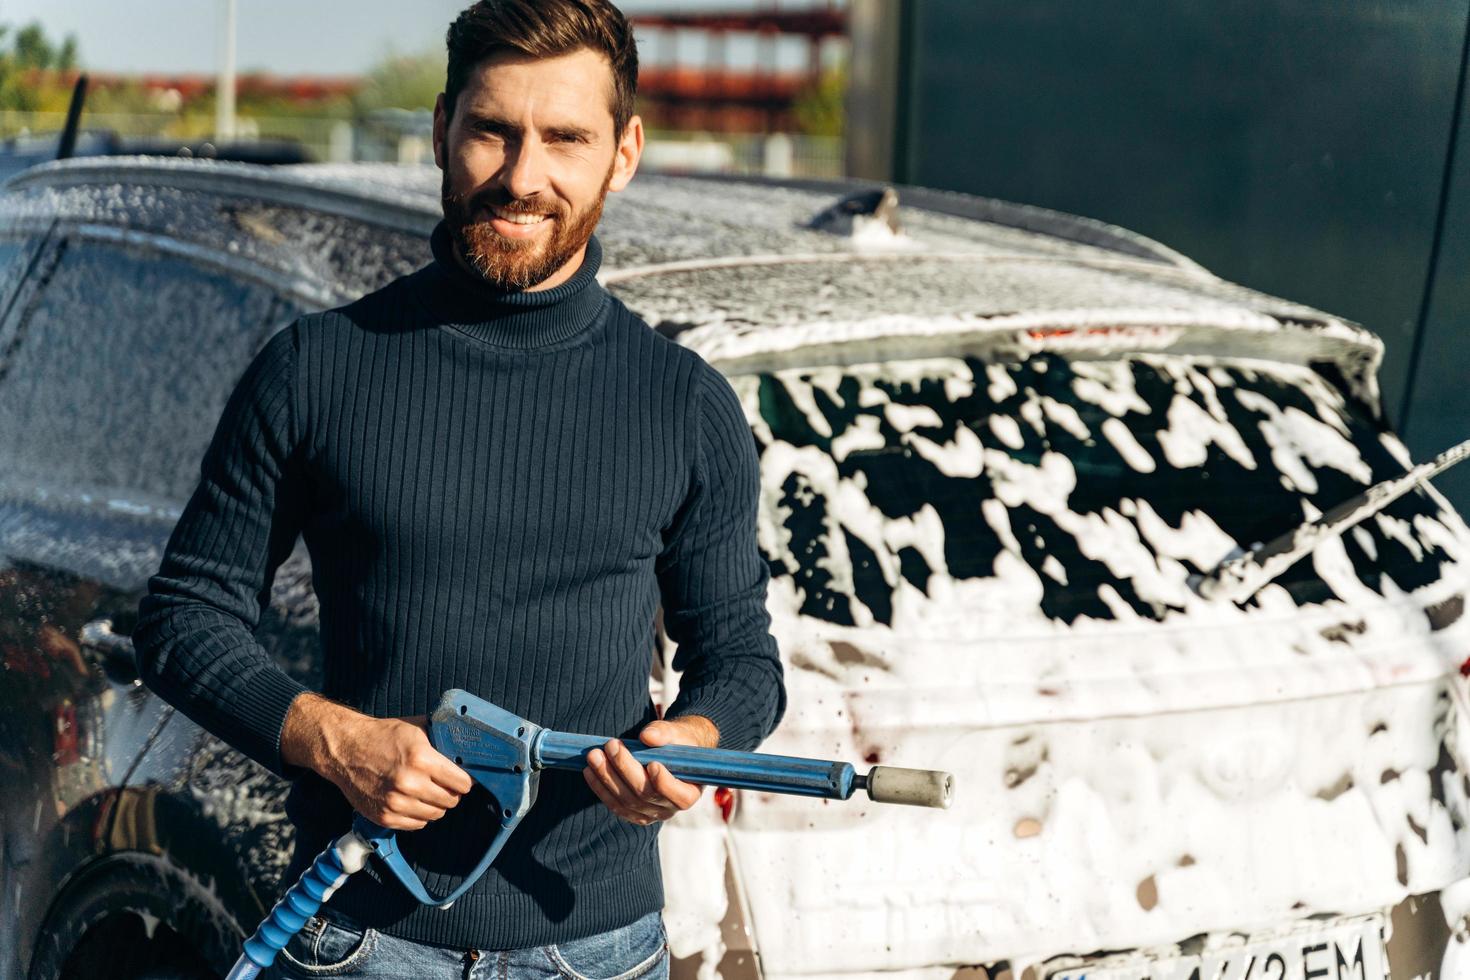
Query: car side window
[[119, 364], [10, 252], [17, 258]]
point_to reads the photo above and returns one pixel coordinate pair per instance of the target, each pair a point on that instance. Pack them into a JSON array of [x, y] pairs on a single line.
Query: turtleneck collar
[[523, 319]]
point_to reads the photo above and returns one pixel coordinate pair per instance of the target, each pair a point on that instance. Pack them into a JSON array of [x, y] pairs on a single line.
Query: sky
[[300, 37]]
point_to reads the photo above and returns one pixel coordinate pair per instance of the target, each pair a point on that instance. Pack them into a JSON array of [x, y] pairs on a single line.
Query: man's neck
[[517, 318]]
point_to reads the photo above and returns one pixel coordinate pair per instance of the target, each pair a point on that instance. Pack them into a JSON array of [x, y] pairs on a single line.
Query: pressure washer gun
[[506, 754]]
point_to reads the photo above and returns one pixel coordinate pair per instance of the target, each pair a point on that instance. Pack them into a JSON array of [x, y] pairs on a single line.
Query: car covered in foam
[[1005, 454]]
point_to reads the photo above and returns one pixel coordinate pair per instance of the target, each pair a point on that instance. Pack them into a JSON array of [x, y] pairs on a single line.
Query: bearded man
[[499, 473]]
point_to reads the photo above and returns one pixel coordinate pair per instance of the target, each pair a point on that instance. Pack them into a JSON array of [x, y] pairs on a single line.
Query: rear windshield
[[1085, 488]]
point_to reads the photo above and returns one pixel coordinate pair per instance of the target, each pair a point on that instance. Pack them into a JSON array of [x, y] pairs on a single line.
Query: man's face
[[528, 157]]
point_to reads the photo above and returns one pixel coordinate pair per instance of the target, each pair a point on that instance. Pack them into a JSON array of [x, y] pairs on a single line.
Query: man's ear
[[629, 151], [441, 128]]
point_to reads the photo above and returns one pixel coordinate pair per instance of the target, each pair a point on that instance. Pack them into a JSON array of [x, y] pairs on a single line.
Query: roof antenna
[[73, 117], [855, 213]]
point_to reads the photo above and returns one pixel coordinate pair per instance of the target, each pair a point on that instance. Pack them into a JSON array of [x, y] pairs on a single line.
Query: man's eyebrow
[[501, 125], [475, 119], [576, 132]]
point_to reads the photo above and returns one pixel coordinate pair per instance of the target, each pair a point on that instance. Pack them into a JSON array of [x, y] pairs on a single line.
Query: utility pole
[[224, 101]]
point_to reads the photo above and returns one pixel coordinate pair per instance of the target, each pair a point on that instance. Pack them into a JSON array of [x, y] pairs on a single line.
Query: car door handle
[[110, 652]]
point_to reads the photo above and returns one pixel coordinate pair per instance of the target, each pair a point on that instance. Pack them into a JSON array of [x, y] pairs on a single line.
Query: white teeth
[[518, 217]]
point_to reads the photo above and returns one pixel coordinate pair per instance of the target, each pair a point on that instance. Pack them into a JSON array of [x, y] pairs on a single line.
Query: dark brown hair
[[544, 29]]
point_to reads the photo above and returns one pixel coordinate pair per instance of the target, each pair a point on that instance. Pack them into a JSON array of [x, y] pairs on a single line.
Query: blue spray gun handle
[[506, 754], [494, 747]]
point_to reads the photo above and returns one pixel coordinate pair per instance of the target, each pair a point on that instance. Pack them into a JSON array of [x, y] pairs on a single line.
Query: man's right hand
[[386, 767]]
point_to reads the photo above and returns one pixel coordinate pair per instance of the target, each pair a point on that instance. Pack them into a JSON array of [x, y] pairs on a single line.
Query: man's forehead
[[573, 89]]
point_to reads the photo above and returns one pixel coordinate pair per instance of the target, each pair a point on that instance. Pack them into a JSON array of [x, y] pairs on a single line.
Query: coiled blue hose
[[341, 859]]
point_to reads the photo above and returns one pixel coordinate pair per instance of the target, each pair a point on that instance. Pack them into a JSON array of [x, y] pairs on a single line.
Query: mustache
[[468, 204]]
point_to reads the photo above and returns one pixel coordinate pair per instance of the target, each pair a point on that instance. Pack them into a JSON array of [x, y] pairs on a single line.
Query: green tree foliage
[[32, 49], [28, 59], [402, 81], [819, 110]]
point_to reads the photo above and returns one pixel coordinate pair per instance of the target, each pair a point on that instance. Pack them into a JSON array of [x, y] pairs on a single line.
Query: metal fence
[[405, 137]]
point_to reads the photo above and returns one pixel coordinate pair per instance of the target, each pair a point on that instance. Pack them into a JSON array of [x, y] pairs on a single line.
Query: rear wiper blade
[[1241, 577]]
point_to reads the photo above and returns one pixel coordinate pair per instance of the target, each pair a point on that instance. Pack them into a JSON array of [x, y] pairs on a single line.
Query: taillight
[[1104, 336], [725, 800], [66, 749]]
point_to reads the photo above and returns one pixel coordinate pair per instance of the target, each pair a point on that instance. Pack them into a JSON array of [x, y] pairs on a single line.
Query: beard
[[512, 263]]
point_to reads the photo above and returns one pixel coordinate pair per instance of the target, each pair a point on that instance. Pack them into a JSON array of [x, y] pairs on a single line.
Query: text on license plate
[[1343, 950]]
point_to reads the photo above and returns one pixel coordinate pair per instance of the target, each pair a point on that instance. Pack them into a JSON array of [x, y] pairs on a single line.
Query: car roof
[[739, 267], [678, 217]]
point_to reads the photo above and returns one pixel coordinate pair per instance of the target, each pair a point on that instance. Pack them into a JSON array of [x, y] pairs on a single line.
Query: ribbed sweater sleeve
[[194, 636], [712, 581]]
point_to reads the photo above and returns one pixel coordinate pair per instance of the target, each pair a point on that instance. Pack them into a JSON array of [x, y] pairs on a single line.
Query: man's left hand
[[642, 794]]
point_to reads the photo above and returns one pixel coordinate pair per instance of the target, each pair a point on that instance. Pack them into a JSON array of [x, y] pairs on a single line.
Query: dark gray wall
[[1297, 146], [1436, 411]]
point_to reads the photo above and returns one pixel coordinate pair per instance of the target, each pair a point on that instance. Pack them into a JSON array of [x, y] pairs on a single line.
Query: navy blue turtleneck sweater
[[497, 491]]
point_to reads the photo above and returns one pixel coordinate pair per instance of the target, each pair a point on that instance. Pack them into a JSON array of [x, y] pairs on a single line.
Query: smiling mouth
[[518, 217]]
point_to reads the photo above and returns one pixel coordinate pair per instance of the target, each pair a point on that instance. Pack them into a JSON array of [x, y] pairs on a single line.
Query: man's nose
[[524, 173]]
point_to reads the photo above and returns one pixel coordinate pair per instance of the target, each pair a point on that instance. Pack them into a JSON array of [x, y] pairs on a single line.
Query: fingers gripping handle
[[722, 767], [914, 787], [791, 775]]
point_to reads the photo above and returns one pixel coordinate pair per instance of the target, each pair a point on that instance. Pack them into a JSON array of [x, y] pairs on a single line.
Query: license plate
[[1349, 949]]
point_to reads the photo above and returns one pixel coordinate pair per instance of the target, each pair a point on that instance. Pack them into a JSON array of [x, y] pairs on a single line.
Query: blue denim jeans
[[333, 945]]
